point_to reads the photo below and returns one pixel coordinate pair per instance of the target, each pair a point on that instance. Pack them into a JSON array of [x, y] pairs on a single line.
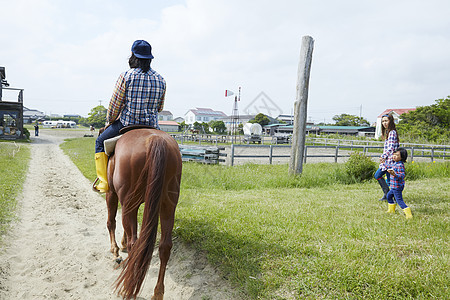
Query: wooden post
[[300, 107]]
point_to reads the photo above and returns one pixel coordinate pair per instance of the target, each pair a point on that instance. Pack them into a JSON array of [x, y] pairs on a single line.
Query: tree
[[261, 119], [350, 120], [427, 123], [97, 116], [197, 126], [205, 127], [183, 126], [218, 126]]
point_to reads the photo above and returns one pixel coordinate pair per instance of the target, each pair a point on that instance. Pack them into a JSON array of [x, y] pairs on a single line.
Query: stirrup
[[94, 188]]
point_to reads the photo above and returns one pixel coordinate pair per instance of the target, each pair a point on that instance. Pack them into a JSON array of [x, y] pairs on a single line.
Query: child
[[397, 171]]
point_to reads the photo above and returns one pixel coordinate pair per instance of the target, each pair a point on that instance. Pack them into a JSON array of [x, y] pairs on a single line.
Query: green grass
[[325, 240], [14, 158], [81, 152], [312, 237]]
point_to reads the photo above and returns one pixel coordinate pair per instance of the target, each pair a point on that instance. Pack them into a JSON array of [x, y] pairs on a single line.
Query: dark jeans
[[110, 132], [379, 173], [397, 193]]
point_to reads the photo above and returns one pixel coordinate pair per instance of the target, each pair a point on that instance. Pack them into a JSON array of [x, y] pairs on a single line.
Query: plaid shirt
[[390, 146], [137, 98], [397, 181]]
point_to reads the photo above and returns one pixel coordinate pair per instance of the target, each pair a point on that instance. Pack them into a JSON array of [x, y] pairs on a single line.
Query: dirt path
[[59, 247]]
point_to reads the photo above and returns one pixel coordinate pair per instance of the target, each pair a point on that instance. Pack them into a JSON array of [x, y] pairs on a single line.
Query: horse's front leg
[[112, 203]]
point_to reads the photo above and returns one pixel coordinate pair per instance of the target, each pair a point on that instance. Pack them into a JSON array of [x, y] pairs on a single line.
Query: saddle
[[110, 144]]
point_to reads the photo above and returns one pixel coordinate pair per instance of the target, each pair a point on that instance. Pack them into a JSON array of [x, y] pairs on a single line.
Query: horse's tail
[[135, 267]]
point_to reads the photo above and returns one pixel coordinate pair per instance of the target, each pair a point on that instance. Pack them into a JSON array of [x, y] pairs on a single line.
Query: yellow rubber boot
[[391, 208], [101, 163], [408, 213]]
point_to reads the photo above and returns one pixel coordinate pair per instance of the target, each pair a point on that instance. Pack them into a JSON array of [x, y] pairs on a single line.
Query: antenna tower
[[235, 117]]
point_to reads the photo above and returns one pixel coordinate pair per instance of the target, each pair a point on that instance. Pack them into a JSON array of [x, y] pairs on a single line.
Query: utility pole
[[300, 107]]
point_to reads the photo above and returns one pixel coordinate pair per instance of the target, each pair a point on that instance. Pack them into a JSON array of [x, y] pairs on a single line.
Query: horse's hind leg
[[124, 243], [167, 216], [112, 203]]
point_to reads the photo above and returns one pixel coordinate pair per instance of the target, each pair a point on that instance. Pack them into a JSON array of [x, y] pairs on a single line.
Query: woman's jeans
[[110, 132], [379, 174]]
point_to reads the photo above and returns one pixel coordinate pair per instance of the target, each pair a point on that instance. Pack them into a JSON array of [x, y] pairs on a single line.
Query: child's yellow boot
[[391, 208], [408, 213], [101, 163]]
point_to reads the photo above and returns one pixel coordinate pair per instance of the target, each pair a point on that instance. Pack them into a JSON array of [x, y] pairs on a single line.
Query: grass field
[[314, 237], [14, 159]]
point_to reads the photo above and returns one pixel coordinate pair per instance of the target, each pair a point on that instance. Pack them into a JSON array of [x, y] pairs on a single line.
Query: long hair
[[135, 62], [391, 126]]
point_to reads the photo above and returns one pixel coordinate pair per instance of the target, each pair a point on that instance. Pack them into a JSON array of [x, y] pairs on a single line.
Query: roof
[[398, 111], [167, 123], [208, 112], [165, 113]]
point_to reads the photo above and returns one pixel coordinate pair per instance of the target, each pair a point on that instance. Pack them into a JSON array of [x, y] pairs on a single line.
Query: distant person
[[137, 98], [397, 172], [36, 129], [92, 130], [391, 143]]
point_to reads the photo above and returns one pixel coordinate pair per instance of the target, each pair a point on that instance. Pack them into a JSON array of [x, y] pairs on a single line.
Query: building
[[165, 115], [72, 116], [11, 111], [315, 129], [169, 126], [179, 120], [228, 121], [201, 115], [288, 119], [396, 113], [32, 115]]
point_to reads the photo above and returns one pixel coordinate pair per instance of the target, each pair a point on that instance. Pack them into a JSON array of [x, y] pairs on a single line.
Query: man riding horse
[[137, 98]]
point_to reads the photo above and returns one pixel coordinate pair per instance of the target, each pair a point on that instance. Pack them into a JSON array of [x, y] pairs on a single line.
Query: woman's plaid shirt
[[398, 181], [390, 146], [137, 98]]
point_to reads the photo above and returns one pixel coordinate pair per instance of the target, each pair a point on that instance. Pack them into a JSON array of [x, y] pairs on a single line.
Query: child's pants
[[397, 192]]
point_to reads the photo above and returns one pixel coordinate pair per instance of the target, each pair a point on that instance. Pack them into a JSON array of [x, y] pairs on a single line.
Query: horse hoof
[[118, 260]]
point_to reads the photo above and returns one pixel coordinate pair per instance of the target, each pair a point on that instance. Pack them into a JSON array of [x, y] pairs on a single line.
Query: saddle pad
[[110, 144]]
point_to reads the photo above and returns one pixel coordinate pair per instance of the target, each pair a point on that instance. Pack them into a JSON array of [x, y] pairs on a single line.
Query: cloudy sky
[[368, 55]]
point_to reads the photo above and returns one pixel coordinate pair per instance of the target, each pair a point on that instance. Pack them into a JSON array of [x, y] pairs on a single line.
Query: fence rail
[[424, 152]]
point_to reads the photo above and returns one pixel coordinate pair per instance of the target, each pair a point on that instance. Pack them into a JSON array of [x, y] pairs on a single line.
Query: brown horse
[[145, 168]]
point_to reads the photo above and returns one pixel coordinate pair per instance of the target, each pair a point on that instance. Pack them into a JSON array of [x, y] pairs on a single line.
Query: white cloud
[[67, 55]]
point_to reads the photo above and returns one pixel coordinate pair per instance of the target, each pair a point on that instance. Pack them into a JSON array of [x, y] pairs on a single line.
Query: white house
[[396, 113], [201, 115], [179, 119], [165, 115]]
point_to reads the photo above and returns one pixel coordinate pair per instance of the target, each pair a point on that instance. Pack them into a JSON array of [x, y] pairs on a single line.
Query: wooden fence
[[371, 151]]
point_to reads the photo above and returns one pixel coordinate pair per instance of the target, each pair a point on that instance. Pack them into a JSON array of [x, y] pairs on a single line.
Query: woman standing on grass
[[391, 144]]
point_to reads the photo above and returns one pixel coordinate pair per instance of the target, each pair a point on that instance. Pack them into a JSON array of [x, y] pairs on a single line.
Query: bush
[[26, 133], [360, 167]]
